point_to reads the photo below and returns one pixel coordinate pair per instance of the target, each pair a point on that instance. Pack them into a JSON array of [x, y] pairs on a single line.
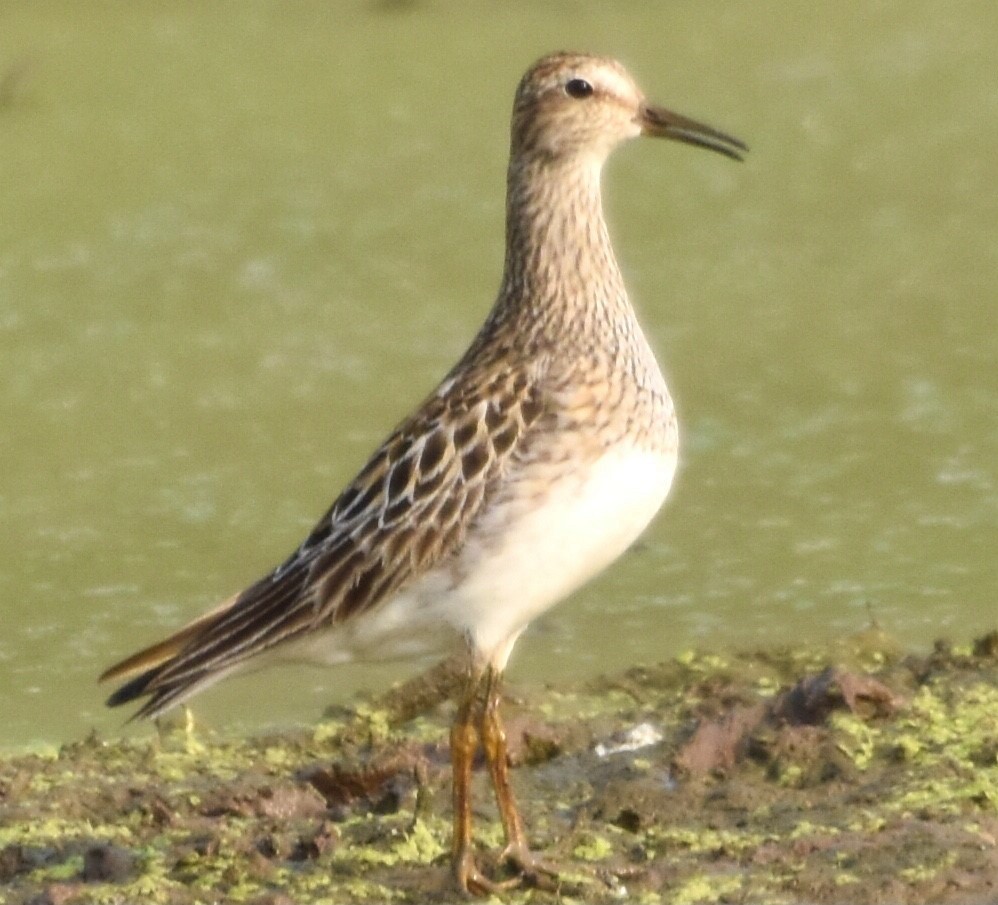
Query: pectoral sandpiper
[[537, 461]]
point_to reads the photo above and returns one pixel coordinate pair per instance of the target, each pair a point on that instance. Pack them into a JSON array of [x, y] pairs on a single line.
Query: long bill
[[662, 123]]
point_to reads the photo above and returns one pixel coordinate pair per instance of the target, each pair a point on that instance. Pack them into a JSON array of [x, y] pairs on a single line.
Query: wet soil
[[856, 774]]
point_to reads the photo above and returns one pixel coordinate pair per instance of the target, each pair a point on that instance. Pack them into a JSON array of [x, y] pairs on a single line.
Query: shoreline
[[855, 772]]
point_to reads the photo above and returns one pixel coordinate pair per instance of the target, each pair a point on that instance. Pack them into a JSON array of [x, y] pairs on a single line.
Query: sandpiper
[[535, 463]]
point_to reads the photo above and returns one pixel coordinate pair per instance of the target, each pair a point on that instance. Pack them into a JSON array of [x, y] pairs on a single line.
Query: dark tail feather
[[161, 690], [133, 689], [150, 664]]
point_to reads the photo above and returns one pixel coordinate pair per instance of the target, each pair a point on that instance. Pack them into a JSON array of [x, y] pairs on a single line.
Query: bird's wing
[[408, 509]]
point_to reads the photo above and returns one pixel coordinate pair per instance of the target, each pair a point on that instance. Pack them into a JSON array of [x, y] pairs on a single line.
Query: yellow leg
[[493, 735], [494, 742], [480, 704], [464, 743]]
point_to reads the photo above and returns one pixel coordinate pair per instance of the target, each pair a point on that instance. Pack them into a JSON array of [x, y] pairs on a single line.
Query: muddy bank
[[855, 774]]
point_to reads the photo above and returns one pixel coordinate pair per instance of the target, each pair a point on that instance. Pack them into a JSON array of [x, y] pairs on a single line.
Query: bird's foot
[[532, 871], [472, 882]]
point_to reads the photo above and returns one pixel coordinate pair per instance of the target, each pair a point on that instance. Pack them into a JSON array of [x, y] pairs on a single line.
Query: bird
[[537, 461]]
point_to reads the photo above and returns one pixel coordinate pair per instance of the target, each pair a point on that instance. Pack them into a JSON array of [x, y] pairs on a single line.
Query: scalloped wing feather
[[408, 509]]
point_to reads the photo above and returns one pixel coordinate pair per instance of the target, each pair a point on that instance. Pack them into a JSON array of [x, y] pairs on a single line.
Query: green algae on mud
[[859, 773]]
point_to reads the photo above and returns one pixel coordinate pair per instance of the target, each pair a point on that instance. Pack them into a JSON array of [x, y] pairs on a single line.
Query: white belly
[[586, 521]]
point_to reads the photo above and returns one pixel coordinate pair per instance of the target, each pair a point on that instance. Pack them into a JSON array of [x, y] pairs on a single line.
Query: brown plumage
[[540, 457], [408, 508]]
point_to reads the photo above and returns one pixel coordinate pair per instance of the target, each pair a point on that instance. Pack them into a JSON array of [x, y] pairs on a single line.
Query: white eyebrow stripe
[[614, 82]]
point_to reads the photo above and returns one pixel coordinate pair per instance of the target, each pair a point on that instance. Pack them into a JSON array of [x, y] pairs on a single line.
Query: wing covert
[[409, 508]]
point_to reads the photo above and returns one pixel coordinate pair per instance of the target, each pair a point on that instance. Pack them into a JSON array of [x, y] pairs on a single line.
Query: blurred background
[[240, 240]]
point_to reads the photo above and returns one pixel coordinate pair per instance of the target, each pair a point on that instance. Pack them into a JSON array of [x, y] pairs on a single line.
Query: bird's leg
[[494, 742], [493, 735], [464, 743]]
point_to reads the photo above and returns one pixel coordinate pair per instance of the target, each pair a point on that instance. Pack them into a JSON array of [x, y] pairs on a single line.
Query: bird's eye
[[578, 88]]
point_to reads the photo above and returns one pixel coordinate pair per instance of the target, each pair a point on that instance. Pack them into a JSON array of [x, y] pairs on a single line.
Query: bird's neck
[[560, 271]]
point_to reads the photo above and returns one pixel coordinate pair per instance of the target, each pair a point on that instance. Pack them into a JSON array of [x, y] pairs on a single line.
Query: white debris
[[641, 736]]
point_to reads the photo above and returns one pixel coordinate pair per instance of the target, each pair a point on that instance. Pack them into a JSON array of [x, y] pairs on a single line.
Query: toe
[[533, 871], [472, 882]]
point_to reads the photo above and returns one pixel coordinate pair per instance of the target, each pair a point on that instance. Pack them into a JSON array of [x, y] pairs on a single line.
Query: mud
[[855, 774]]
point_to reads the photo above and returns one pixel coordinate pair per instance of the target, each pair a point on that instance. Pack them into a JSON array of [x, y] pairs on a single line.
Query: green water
[[239, 240]]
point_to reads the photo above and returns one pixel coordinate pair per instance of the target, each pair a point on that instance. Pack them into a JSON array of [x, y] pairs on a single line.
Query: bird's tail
[[148, 671]]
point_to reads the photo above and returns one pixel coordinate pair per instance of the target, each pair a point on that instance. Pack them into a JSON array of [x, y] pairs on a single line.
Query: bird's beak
[[663, 123]]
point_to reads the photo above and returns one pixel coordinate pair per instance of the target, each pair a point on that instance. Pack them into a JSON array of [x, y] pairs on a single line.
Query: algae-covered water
[[240, 240]]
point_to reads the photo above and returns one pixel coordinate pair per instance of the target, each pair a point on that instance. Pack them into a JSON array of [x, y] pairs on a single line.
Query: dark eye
[[578, 88]]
